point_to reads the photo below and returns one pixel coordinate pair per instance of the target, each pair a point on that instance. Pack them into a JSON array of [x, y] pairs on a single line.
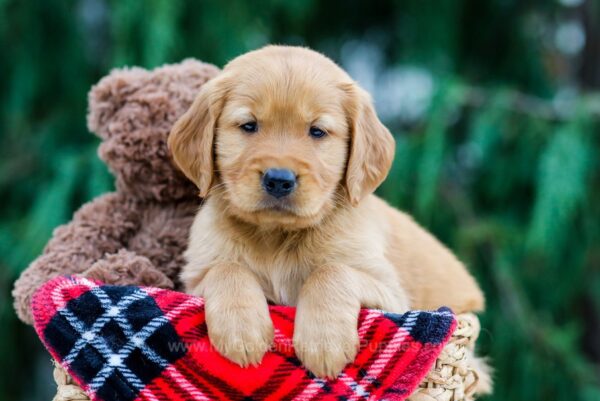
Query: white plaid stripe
[[58, 298], [359, 391], [317, 384], [147, 395], [311, 390], [183, 383], [386, 354], [370, 317], [99, 323], [124, 352], [135, 339]]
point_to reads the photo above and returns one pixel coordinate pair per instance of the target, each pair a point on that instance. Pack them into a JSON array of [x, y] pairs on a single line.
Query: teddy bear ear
[[169, 84], [109, 95]]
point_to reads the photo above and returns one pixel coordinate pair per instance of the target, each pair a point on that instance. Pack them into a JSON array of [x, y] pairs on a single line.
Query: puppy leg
[[325, 334], [237, 313]]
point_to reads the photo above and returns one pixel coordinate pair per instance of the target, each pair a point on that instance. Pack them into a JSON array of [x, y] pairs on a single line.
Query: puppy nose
[[279, 182]]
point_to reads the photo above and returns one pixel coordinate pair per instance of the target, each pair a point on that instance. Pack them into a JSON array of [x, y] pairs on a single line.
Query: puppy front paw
[[242, 335], [326, 349]]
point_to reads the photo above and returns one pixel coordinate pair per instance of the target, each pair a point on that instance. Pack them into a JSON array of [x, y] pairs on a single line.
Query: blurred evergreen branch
[[537, 107]]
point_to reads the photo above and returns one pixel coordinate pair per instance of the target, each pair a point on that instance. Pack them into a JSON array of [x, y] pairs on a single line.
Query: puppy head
[[284, 135]]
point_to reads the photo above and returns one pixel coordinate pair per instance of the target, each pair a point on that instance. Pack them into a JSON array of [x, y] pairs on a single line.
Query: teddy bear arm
[[127, 268], [101, 227]]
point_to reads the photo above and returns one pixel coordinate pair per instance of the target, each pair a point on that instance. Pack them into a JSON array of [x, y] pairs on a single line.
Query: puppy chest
[[281, 280]]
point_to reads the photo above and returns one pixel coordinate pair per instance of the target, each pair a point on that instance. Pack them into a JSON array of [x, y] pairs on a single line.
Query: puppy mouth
[[277, 206], [272, 212]]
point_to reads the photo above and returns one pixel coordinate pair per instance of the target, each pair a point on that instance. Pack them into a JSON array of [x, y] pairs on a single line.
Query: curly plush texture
[[137, 234]]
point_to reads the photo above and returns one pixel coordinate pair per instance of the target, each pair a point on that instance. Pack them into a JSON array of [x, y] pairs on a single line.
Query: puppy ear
[[371, 146], [191, 138]]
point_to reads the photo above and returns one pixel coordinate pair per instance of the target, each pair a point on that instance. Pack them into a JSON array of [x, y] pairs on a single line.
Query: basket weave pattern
[[450, 379]]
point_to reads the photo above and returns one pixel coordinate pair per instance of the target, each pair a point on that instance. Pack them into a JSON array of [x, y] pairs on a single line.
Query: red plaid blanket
[[137, 343]]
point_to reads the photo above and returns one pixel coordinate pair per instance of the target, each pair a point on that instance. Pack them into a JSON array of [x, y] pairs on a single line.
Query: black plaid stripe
[[115, 339], [425, 328]]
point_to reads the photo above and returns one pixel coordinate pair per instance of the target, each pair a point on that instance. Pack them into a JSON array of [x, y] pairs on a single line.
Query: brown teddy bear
[[137, 234]]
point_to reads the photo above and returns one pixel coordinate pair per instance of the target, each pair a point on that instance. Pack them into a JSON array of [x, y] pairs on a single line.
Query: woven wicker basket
[[450, 379]]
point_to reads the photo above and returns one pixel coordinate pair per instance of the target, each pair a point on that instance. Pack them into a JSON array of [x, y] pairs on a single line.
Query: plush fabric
[[137, 234], [142, 343]]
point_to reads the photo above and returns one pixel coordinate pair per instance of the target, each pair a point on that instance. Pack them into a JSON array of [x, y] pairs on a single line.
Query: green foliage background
[[497, 167]]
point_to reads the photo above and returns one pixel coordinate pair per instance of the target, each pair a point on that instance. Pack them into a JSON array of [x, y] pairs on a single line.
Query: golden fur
[[330, 247]]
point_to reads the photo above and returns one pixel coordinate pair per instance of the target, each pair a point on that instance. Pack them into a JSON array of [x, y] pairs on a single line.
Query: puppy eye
[[316, 132], [250, 127]]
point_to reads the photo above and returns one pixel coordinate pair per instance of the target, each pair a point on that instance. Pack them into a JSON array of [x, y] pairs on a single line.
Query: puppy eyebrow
[[241, 115], [325, 122]]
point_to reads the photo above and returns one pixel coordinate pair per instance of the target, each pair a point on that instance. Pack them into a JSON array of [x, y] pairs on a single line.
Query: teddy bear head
[[132, 110]]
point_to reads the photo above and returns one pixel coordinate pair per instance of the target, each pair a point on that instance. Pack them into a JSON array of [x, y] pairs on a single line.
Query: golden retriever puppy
[[287, 150]]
